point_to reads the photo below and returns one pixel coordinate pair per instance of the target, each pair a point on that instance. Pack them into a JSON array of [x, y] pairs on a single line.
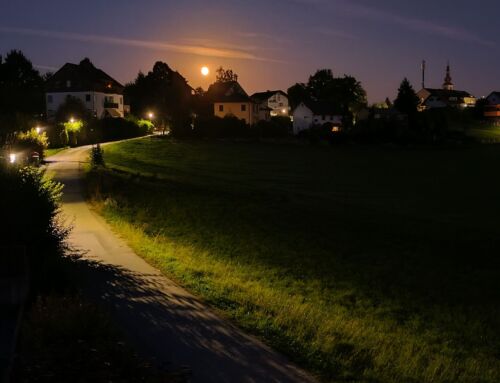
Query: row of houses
[[103, 97]]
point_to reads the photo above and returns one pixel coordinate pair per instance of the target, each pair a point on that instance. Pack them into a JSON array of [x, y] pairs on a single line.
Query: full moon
[[205, 71]]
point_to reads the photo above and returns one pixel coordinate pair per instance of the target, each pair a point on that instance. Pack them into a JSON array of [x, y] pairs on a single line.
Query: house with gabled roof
[[446, 96], [101, 94], [315, 113], [274, 100], [492, 110], [230, 99]]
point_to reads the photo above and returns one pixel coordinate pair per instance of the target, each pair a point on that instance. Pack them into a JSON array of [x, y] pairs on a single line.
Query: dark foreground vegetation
[[63, 337], [369, 264]]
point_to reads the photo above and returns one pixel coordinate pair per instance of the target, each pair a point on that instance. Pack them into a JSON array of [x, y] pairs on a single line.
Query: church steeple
[[448, 85]]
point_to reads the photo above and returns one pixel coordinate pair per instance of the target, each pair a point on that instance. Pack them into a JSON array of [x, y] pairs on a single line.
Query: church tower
[[448, 85]]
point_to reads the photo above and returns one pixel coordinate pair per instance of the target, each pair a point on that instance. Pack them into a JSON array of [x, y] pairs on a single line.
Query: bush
[[111, 129], [216, 127], [97, 156], [277, 127], [29, 202], [31, 141]]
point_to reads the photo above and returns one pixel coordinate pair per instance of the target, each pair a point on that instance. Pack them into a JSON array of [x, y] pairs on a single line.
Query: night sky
[[270, 44]]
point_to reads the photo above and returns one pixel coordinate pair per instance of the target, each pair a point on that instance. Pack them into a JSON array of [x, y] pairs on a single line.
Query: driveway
[[163, 321]]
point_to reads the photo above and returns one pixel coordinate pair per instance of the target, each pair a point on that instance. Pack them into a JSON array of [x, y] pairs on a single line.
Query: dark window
[[323, 117], [243, 108], [221, 108], [68, 84], [87, 97], [49, 99]]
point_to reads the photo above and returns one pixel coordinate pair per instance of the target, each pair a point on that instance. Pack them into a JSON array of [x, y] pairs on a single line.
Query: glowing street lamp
[[151, 115], [71, 119], [12, 158], [38, 130]]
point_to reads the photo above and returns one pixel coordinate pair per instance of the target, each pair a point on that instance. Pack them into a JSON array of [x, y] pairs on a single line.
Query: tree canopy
[[162, 91], [21, 92], [225, 75], [407, 100], [345, 92]]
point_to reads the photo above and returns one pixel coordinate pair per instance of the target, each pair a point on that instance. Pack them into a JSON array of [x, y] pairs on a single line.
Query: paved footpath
[[162, 320]]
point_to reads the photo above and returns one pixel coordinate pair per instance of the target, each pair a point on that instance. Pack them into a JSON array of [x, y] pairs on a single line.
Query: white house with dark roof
[[274, 100], [492, 110], [309, 114], [100, 93]]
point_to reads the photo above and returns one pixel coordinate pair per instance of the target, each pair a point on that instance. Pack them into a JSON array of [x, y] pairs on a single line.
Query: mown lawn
[[362, 263]]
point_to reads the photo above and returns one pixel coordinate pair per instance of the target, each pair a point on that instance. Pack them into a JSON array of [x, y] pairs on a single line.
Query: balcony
[[110, 105]]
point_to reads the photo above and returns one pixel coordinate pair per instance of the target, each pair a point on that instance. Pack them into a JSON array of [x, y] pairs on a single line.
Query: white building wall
[[279, 104], [93, 101], [302, 118]]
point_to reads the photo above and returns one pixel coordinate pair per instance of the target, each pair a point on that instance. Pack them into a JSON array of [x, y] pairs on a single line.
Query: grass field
[[361, 263]]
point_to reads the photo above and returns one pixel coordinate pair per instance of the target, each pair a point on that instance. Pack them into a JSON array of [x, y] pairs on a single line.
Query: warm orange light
[[205, 71]]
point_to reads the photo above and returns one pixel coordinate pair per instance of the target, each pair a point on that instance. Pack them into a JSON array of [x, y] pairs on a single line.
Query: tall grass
[[362, 264]]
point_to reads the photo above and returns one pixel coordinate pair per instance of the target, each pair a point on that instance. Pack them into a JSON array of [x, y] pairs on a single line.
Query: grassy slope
[[364, 264]]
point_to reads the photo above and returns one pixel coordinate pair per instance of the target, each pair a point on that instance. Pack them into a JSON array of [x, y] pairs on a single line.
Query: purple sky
[[270, 44]]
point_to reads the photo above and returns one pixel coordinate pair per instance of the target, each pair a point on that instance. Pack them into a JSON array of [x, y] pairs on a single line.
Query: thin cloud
[[198, 50], [419, 25], [336, 33]]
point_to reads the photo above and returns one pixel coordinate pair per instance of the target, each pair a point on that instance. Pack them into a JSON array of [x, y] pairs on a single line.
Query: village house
[[307, 115], [447, 96], [274, 100], [230, 99], [492, 110], [100, 93]]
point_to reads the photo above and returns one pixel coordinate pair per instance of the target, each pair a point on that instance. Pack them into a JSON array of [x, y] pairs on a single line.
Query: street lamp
[[71, 119], [151, 115], [12, 158], [38, 130]]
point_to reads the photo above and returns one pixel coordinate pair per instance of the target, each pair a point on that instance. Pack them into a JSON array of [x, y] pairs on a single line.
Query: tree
[[407, 100], [21, 93], [225, 75], [298, 93], [164, 92], [345, 93]]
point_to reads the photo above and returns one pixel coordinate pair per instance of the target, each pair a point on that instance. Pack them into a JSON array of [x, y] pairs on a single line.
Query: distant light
[[205, 71], [283, 111], [151, 115], [38, 130], [71, 120], [12, 158], [335, 129]]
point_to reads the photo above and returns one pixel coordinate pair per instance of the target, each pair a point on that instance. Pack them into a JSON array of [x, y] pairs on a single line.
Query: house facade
[[446, 96], [230, 99], [276, 101], [307, 115], [100, 93], [492, 110]]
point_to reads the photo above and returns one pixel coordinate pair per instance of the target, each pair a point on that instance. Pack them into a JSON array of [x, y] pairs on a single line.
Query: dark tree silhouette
[[164, 92], [21, 94], [407, 100], [225, 75]]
